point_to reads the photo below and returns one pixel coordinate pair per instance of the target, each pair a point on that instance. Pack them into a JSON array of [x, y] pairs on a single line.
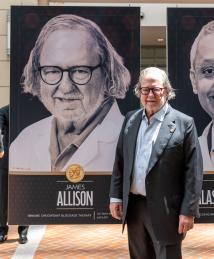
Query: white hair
[[164, 81]]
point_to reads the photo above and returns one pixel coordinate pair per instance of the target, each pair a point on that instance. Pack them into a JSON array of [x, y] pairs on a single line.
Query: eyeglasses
[[80, 75], [155, 90]]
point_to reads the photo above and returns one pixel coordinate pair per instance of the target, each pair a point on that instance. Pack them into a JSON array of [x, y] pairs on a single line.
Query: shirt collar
[[158, 115]]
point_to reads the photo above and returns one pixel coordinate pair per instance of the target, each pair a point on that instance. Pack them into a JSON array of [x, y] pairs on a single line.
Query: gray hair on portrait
[[117, 76], [205, 30], [164, 81]]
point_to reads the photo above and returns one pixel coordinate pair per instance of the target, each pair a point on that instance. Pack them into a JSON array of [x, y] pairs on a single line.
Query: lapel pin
[[172, 130]]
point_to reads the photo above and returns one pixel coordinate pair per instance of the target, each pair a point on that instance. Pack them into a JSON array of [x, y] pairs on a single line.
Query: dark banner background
[[184, 24], [32, 199]]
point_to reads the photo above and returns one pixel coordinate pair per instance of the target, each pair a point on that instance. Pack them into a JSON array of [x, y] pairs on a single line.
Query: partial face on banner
[[203, 75]]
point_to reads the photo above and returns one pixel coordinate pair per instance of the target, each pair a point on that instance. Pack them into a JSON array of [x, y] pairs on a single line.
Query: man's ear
[[193, 81]]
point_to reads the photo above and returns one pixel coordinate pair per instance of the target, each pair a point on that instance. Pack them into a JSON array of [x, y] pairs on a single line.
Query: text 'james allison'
[[75, 198]]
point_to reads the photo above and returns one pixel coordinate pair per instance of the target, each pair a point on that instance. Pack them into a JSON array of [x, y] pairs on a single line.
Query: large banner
[[72, 75], [191, 71]]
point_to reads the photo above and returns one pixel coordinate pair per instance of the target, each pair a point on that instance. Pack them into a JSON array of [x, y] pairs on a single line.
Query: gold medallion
[[75, 173]]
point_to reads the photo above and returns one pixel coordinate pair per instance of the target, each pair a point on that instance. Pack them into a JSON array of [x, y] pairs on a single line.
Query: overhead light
[[160, 40]]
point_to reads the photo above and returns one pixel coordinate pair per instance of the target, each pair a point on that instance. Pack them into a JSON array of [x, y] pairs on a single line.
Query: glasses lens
[[145, 90], [155, 91], [80, 75], [51, 75]]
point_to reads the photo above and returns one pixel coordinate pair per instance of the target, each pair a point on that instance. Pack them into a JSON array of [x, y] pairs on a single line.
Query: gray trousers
[[142, 241]]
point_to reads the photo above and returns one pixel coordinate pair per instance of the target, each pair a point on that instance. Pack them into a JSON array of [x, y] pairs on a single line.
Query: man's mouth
[[68, 103], [68, 99], [150, 101]]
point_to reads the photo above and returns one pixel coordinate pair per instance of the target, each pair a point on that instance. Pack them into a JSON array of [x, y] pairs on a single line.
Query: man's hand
[[116, 209], [1, 154], [185, 224]]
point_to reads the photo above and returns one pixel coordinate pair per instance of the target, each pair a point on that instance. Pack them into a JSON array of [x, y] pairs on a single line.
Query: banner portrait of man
[[77, 75], [191, 70], [202, 79], [66, 90]]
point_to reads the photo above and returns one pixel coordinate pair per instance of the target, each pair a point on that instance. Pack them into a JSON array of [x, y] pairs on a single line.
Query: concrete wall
[[4, 57]]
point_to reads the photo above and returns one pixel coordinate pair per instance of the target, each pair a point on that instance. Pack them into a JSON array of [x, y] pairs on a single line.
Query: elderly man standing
[[157, 176], [77, 74]]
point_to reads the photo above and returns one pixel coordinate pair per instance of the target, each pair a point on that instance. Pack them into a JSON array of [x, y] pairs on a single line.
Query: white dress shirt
[[29, 152], [146, 138], [208, 158]]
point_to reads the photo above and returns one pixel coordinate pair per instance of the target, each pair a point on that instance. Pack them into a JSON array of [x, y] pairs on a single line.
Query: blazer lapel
[[167, 129], [131, 132]]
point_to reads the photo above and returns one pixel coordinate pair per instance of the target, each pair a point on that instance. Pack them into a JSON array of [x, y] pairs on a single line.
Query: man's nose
[[66, 85], [150, 93]]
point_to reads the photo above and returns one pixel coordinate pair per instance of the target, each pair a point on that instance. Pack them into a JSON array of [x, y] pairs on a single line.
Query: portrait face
[[204, 73], [153, 95], [72, 84]]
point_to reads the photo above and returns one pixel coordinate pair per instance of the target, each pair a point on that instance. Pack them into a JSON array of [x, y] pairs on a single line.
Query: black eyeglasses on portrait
[[79, 75], [155, 90]]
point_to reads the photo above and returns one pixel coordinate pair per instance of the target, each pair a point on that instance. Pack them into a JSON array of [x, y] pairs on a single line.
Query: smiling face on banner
[[204, 73], [71, 96]]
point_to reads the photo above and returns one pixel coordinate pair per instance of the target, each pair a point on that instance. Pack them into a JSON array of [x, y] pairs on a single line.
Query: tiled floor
[[98, 242], [8, 248]]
